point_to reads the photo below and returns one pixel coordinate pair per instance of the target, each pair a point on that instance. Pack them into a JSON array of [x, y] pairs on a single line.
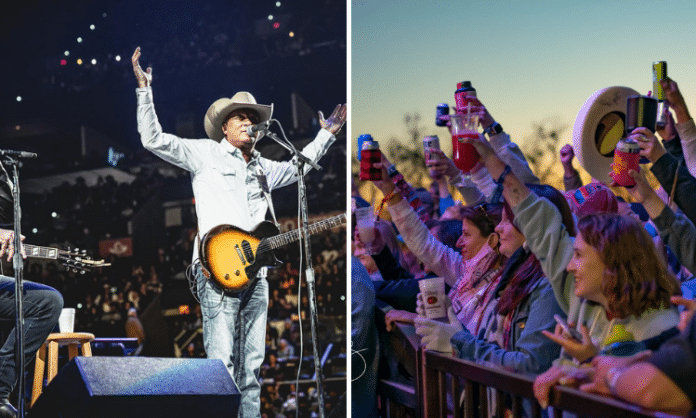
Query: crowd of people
[[578, 287]]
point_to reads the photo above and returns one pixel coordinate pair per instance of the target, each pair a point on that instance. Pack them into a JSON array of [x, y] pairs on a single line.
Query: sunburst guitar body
[[232, 256]]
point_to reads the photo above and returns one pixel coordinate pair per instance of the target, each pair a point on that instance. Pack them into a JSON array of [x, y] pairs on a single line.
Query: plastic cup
[[366, 224], [464, 125], [433, 292], [66, 320]]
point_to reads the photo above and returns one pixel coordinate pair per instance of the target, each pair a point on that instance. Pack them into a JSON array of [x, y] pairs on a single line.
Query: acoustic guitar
[[232, 257], [76, 260]]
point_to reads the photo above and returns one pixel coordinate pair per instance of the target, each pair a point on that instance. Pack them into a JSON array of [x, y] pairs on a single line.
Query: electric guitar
[[232, 257], [77, 261]]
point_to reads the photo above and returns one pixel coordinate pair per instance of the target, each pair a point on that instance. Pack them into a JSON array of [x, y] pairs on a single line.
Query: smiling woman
[[619, 266]]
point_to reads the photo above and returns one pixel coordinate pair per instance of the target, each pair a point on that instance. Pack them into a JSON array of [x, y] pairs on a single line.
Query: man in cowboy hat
[[231, 184]]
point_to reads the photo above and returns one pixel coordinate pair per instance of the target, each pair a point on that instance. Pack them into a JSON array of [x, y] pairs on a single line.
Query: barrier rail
[[474, 387]]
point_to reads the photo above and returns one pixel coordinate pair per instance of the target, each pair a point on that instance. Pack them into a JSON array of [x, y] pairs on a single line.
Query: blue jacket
[[532, 352]]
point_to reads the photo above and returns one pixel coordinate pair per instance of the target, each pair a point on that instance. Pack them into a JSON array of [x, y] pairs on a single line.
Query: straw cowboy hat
[[599, 126], [218, 111]]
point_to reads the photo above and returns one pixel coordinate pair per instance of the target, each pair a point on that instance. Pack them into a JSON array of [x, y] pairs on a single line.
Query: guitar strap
[[266, 192]]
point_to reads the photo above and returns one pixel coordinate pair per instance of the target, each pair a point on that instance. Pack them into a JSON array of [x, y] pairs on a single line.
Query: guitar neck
[[41, 252], [292, 236]]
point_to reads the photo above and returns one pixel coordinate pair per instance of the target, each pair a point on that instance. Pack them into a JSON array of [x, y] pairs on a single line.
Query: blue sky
[[529, 61]]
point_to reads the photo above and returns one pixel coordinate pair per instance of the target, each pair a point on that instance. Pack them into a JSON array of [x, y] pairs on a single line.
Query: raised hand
[[144, 78], [440, 165], [650, 147], [567, 155], [675, 99], [334, 123]]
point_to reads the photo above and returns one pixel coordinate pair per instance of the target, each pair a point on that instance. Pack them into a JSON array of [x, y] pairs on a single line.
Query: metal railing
[[477, 390]]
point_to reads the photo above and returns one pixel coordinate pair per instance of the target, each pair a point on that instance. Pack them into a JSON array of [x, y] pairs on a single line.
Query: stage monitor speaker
[[135, 387]]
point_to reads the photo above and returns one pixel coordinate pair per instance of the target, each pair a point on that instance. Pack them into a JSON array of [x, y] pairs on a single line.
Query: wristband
[[505, 172], [385, 199], [493, 129]]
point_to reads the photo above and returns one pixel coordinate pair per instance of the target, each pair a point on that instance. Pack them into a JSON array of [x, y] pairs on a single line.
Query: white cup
[[433, 293], [66, 320], [366, 224]]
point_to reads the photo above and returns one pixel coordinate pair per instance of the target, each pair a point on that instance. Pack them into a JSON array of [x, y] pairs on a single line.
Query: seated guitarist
[[231, 185], [41, 304]]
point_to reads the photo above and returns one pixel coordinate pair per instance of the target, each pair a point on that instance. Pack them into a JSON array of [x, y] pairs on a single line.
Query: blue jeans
[[42, 306], [234, 330]]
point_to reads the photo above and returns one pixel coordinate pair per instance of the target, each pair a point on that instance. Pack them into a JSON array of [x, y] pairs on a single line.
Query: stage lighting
[[79, 40], [35, 230], [79, 61], [19, 98], [66, 53], [94, 61], [277, 4], [92, 27], [118, 58], [63, 62], [291, 34], [270, 17], [276, 25]]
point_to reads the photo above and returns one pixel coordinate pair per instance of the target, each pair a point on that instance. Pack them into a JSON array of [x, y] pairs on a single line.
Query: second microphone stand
[[18, 263], [300, 160]]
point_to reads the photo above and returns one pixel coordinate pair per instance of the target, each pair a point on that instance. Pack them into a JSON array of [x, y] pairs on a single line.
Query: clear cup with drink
[[366, 224], [464, 125]]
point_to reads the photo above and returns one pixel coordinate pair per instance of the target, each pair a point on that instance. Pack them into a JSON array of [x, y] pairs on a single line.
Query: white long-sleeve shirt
[[227, 189]]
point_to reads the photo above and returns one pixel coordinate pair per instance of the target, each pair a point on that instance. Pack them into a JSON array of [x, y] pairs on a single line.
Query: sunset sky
[[530, 62]]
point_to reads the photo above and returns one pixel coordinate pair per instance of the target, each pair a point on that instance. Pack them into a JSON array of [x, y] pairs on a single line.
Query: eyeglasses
[[485, 207]]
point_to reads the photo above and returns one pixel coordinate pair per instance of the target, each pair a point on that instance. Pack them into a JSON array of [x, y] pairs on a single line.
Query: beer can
[[628, 146], [430, 142], [442, 109], [626, 157], [370, 154], [462, 94], [659, 70]]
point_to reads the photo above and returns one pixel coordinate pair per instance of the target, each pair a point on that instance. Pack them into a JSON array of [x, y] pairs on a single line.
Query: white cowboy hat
[[598, 127], [221, 108]]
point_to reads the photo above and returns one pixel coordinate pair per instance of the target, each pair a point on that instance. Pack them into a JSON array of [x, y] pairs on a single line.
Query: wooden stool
[[71, 339]]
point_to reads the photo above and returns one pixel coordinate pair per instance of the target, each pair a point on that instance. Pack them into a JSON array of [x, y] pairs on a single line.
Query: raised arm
[[175, 150]]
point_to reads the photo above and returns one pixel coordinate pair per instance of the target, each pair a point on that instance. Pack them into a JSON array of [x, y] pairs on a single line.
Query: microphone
[[259, 127], [18, 154]]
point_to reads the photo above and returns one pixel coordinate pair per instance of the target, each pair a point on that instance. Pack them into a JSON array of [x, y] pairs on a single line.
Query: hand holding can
[[626, 157]]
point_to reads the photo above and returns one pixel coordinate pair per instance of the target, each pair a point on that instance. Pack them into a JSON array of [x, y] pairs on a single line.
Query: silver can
[[430, 142]]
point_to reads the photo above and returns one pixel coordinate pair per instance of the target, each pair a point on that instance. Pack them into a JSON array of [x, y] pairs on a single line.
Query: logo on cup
[[432, 300]]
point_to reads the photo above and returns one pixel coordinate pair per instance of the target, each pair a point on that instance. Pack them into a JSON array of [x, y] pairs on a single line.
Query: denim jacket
[[532, 351]]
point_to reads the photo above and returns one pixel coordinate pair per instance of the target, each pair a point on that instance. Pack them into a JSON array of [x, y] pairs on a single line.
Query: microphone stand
[[19, 286], [299, 160]]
